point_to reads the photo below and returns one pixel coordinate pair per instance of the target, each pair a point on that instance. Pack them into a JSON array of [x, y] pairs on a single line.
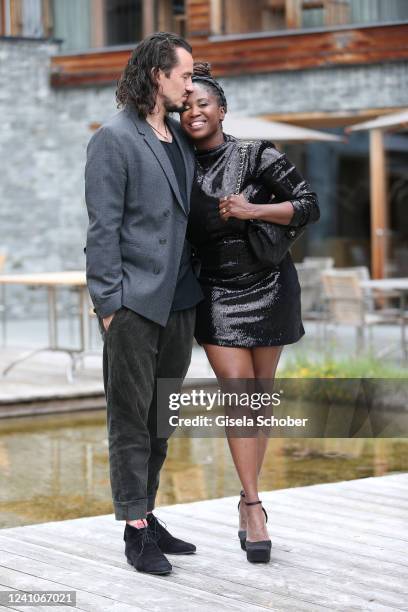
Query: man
[[138, 180]]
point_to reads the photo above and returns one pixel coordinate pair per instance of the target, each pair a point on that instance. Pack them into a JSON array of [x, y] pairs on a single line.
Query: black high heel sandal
[[258, 552], [242, 532]]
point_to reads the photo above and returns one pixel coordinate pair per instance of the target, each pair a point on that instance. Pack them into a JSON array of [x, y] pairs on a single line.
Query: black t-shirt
[[187, 293]]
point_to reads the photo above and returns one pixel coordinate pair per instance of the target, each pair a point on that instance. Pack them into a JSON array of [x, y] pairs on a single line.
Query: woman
[[249, 311]]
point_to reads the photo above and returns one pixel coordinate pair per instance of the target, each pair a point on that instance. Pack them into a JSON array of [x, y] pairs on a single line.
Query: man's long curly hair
[[138, 84]]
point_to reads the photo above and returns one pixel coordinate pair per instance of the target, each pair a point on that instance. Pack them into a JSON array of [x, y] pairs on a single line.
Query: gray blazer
[[137, 219]]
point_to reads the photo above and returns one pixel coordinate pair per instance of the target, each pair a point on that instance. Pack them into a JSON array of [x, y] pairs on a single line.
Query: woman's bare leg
[[265, 361], [236, 363]]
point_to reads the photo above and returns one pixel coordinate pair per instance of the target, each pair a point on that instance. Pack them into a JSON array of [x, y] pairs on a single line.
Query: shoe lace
[[147, 538], [158, 524]]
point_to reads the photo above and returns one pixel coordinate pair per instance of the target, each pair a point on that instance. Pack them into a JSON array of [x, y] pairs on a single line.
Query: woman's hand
[[235, 206]]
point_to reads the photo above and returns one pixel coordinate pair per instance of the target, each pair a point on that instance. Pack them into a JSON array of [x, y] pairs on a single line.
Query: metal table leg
[[404, 346], [3, 315], [52, 318]]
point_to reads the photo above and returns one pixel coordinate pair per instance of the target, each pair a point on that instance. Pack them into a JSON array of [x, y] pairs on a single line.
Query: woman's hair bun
[[202, 69]]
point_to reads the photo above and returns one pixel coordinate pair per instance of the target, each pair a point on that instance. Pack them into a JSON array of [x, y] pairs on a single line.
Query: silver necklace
[[165, 136]]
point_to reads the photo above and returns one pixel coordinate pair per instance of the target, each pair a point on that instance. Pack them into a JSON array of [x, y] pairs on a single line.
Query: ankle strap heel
[[258, 552], [242, 494], [254, 503], [242, 532]]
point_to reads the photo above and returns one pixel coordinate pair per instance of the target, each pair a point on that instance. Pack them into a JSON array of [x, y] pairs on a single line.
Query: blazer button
[[163, 241], [157, 270], [166, 213]]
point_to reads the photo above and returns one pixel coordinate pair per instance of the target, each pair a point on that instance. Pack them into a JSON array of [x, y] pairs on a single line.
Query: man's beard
[[171, 107]]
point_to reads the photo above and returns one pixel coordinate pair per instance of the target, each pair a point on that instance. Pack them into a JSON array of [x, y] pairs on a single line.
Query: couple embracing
[[155, 190]]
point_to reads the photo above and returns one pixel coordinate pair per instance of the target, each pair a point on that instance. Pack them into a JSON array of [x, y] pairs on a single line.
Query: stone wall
[[43, 139], [342, 88]]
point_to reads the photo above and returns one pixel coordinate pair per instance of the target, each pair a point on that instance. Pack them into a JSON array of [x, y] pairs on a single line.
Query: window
[[87, 24], [72, 23], [30, 18], [171, 16], [124, 21]]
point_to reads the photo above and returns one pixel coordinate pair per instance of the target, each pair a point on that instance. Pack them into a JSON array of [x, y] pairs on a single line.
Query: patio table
[[393, 285], [52, 281]]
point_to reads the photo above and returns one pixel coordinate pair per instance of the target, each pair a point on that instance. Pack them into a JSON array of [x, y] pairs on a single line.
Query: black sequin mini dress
[[245, 304]]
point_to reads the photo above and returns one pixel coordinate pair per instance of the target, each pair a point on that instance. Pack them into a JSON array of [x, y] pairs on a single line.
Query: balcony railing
[[241, 16]]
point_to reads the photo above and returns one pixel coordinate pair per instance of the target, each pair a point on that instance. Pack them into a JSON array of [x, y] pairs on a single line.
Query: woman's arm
[[238, 207], [297, 203]]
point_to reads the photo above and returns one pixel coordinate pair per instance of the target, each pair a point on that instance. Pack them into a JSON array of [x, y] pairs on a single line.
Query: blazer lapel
[[187, 163], [157, 148]]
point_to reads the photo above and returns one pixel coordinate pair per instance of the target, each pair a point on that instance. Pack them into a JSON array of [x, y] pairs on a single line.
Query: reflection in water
[[56, 467]]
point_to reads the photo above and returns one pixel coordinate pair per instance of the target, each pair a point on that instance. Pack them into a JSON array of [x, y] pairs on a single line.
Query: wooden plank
[[307, 524], [390, 492], [286, 550], [382, 532], [3, 29], [216, 17], [121, 584], [362, 506], [330, 118], [240, 588], [98, 23], [148, 17], [251, 54], [198, 17], [16, 18], [20, 581], [47, 18], [326, 554], [281, 582], [293, 14]]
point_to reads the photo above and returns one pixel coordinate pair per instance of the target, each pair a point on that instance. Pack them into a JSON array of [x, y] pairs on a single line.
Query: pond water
[[56, 467]]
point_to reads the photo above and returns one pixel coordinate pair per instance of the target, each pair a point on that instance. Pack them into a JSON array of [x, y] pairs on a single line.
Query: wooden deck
[[340, 546]]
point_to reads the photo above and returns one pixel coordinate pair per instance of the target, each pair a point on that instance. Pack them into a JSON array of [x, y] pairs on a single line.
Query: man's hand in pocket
[[107, 321]]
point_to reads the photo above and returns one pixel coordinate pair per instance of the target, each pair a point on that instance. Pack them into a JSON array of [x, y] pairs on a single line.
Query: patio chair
[[314, 307], [350, 304], [323, 263], [312, 296]]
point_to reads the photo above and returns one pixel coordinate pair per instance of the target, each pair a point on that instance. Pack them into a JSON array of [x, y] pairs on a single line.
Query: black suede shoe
[[166, 542], [143, 553]]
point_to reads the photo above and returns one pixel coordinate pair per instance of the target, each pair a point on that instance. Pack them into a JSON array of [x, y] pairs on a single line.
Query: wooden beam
[[7, 17], [164, 15], [231, 56], [47, 18], [217, 21], [293, 14], [2, 18], [379, 205], [98, 24], [16, 21], [149, 22], [330, 119]]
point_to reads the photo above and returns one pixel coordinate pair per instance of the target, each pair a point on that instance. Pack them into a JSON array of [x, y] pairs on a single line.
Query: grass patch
[[302, 366]]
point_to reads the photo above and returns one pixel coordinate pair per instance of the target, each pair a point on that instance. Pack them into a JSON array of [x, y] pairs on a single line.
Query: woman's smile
[[197, 124]]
